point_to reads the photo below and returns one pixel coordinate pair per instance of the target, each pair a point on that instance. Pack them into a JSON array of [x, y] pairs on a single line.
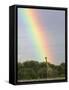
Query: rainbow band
[[36, 30]]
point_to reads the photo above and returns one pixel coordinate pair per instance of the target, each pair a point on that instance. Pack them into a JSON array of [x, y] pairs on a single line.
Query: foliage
[[34, 70]]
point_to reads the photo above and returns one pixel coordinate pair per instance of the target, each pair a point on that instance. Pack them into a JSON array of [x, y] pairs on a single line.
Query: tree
[[20, 71], [29, 73], [61, 70], [42, 73], [34, 70], [31, 64]]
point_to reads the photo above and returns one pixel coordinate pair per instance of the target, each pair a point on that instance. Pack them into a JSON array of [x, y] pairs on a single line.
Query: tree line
[[40, 70]]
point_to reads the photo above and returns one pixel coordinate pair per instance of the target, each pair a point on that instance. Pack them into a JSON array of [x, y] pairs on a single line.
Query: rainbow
[[36, 31]]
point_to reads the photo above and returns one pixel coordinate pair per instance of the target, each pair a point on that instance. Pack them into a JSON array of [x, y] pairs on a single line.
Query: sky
[[52, 24]]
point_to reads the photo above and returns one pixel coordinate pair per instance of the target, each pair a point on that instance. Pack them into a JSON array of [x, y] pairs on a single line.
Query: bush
[[35, 70]]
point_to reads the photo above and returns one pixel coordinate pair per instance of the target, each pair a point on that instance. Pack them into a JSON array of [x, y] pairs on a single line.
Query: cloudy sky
[[54, 22]]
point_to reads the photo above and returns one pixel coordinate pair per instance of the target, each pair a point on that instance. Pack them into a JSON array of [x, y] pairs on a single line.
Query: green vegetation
[[34, 70]]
